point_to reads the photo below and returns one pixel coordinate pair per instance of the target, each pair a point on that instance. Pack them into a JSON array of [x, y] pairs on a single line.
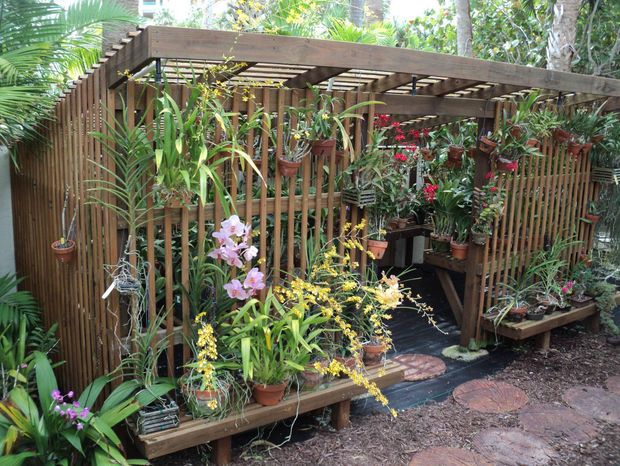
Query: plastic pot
[[516, 314], [377, 248]]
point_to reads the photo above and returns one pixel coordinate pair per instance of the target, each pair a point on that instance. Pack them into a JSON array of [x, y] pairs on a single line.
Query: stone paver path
[[613, 384], [594, 402], [490, 396], [444, 456], [420, 366], [552, 421], [513, 447]]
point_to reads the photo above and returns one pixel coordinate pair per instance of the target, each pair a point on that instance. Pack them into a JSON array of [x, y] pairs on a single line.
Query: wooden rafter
[[314, 76], [447, 86], [231, 69], [387, 83]]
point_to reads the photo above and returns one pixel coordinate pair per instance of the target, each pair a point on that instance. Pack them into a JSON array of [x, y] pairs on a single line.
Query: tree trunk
[[356, 12], [375, 9], [463, 28], [561, 42]]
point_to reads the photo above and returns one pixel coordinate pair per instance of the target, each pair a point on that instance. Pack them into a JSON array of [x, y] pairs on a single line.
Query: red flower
[[396, 124], [426, 132], [493, 189], [430, 191], [383, 120], [399, 138], [512, 166], [489, 175], [400, 157], [414, 133]]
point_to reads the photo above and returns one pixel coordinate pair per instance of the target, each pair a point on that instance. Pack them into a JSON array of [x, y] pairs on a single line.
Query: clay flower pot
[[377, 248], [516, 314], [486, 145], [533, 142], [373, 354], [508, 166], [586, 148], [593, 218], [440, 243], [204, 397], [574, 148], [560, 135], [516, 131], [350, 362], [597, 138], [65, 254], [268, 395], [288, 168], [453, 163], [471, 152], [455, 153], [479, 238], [459, 250], [323, 147], [311, 379], [427, 154]]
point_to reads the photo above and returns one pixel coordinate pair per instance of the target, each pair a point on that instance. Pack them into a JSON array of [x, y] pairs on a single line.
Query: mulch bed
[[574, 359]]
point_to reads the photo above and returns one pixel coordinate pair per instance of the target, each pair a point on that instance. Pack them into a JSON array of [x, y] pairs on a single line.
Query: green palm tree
[[42, 46]]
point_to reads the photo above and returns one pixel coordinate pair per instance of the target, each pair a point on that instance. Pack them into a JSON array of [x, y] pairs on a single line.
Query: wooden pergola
[[419, 88]]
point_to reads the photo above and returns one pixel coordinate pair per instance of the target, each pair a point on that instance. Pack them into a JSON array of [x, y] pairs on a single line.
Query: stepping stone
[[490, 396], [445, 456], [555, 422], [594, 402], [613, 384], [513, 447], [420, 366]]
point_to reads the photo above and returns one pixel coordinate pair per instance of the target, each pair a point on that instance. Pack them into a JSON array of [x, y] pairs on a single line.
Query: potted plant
[[536, 313], [377, 245], [511, 149], [273, 343], [459, 245], [455, 138], [296, 140], [541, 125], [449, 201], [565, 292], [488, 143], [64, 248], [514, 302], [594, 214]]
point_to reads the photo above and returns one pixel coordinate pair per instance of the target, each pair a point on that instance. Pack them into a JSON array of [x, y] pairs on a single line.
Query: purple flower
[[254, 280], [231, 257], [57, 408], [223, 239], [57, 396], [70, 394], [71, 414], [84, 412], [216, 253], [76, 404], [235, 290], [79, 426]]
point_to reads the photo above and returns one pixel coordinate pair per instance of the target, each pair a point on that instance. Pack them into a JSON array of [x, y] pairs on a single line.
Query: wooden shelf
[[444, 261], [408, 232], [530, 328], [191, 433]]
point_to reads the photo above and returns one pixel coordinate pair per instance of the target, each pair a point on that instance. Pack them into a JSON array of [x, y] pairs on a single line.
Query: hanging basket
[[605, 175], [127, 285], [359, 197]]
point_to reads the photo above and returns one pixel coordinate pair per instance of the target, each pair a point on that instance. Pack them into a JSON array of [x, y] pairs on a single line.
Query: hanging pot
[[533, 142], [288, 168], [323, 147], [574, 148], [377, 248], [593, 218], [561, 136], [479, 238], [64, 253], [516, 131], [427, 154], [459, 250], [455, 153], [269, 395], [597, 138], [471, 152], [508, 166], [486, 145]]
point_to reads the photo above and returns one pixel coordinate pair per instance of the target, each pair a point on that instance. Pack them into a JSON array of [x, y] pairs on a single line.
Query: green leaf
[[46, 380], [73, 439]]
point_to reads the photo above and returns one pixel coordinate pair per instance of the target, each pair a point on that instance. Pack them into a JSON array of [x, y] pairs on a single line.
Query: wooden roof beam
[[447, 86], [389, 82], [314, 76]]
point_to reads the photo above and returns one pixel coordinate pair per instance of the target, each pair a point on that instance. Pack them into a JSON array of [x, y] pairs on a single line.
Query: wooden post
[[340, 414], [222, 451], [593, 323], [542, 340], [472, 281]]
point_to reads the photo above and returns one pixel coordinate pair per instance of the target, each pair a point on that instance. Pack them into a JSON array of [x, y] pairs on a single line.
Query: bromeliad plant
[[64, 429]]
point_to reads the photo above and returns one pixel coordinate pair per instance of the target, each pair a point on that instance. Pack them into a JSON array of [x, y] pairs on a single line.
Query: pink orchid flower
[[235, 290], [254, 280], [233, 226], [250, 253], [231, 257]]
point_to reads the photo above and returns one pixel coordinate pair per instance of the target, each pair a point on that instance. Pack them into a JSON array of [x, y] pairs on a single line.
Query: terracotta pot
[[516, 131], [508, 166], [574, 148], [288, 168], [471, 152], [586, 148], [486, 145], [373, 354], [593, 218], [323, 147], [401, 223], [459, 250], [377, 248], [440, 243], [453, 164], [204, 397], [516, 314], [66, 254], [560, 135], [311, 379], [427, 154], [268, 395], [455, 153], [533, 142], [350, 362], [597, 138]]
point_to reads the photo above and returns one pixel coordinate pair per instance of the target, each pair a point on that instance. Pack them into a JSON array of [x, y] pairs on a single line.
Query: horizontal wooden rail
[[240, 208]]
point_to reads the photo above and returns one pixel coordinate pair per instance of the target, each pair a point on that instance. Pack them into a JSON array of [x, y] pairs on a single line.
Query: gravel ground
[[575, 359]]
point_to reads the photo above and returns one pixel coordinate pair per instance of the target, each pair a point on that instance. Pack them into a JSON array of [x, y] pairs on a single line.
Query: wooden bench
[[193, 432], [443, 263], [541, 329]]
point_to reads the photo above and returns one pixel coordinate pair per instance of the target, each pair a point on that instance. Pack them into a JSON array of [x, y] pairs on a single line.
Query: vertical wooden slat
[[305, 192], [263, 186], [277, 214], [292, 189]]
